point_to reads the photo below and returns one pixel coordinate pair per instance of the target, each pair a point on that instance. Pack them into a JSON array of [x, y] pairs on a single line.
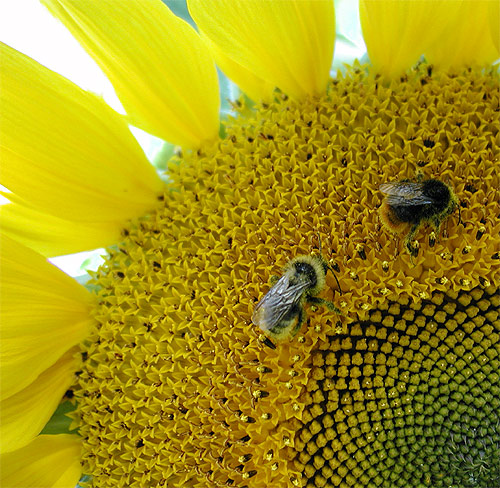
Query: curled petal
[[448, 33], [53, 236], [43, 314], [25, 414], [494, 16], [288, 45], [162, 72], [397, 33], [253, 86], [49, 461], [466, 38], [65, 152]]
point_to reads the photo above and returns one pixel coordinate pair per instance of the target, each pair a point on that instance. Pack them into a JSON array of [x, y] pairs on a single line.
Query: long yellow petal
[[494, 16], [287, 44], [466, 39], [448, 33], [43, 314], [49, 461], [67, 153], [25, 414], [158, 65], [52, 236], [256, 88], [397, 33]]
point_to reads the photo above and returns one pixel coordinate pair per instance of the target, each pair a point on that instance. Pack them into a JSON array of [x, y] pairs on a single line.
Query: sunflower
[[169, 381]]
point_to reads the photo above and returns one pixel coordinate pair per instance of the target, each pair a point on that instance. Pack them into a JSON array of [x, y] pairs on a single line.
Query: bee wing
[[405, 193], [282, 296]]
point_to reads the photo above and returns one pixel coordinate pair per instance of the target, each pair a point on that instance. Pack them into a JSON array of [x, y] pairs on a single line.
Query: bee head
[[303, 267]]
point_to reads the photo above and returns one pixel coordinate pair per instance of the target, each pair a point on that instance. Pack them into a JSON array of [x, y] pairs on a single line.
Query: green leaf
[[162, 157], [59, 422]]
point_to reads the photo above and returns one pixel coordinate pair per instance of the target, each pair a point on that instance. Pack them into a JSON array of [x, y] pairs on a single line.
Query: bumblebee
[[280, 313], [409, 204]]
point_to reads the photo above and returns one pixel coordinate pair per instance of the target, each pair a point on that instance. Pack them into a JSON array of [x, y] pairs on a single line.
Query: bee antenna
[[327, 265], [460, 221], [335, 276], [319, 240]]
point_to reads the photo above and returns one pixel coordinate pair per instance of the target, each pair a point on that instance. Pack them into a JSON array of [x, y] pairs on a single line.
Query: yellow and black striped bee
[[409, 204], [280, 314]]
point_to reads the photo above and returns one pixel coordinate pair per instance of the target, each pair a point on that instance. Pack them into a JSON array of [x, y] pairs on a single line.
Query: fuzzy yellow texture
[[176, 385]]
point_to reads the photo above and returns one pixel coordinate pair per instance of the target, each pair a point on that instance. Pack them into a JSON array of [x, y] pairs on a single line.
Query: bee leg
[[436, 222], [409, 238], [269, 343], [300, 320], [326, 303]]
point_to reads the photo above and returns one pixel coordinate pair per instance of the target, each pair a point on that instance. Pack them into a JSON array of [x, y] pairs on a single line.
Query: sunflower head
[[175, 337], [386, 174]]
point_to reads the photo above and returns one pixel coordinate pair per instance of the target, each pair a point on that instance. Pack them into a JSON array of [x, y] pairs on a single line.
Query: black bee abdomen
[[439, 193], [412, 213], [305, 269], [290, 315], [434, 190]]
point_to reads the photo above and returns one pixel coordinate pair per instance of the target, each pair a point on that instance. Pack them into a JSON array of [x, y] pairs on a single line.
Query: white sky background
[[28, 27]]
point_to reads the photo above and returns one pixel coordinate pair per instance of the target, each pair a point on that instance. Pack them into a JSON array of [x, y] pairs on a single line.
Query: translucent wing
[[282, 296], [405, 193]]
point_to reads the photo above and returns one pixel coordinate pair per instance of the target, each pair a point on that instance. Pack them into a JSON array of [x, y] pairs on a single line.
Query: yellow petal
[[52, 236], [448, 33], [43, 314], [397, 33], [49, 461], [161, 70], [494, 16], [25, 414], [256, 88], [287, 44], [67, 153], [466, 39]]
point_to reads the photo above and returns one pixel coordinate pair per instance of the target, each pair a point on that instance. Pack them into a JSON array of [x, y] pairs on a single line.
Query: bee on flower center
[[280, 313], [408, 205]]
